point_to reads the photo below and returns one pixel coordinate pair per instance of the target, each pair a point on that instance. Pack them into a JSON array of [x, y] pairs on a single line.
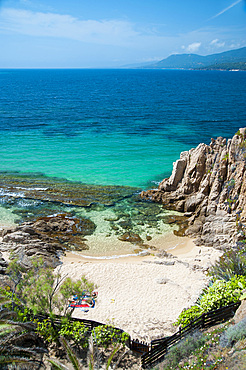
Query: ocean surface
[[117, 128]]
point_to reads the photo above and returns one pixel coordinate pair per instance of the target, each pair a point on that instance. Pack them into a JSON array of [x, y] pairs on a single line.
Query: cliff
[[208, 184]]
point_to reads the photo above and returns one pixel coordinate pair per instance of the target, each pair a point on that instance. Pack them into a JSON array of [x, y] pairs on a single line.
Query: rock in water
[[208, 184], [47, 238]]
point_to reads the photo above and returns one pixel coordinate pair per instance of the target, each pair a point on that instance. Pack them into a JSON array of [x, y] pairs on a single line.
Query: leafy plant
[[220, 294], [230, 264], [46, 330], [75, 331], [107, 334], [188, 315]]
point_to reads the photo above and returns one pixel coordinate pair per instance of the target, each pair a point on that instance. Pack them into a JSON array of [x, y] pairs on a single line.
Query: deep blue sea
[[117, 127], [105, 127]]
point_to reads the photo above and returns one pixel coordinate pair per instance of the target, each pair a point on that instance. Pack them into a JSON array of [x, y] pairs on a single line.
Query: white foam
[[11, 194], [29, 189], [143, 253]]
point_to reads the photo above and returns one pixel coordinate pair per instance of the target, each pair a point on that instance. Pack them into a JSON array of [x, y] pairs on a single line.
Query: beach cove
[[144, 295], [143, 283]]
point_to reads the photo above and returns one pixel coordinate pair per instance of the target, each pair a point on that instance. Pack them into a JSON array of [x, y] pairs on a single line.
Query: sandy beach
[[144, 294]]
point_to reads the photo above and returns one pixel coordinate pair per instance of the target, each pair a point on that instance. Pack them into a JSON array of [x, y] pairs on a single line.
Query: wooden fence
[[57, 321], [159, 347], [156, 351], [133, 344], [138, 346]]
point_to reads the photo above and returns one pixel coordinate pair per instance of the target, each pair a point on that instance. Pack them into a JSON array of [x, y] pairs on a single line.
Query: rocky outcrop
[[46, 238], [3, 265], [208, 184]]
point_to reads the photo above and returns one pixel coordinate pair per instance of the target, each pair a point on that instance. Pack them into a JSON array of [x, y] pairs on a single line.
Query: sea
[[86, 142]]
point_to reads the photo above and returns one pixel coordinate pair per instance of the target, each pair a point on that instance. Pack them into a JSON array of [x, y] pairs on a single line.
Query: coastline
[[143, 294]]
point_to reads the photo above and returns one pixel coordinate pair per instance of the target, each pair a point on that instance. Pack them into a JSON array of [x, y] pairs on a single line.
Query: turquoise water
[[66, 135], [117, 127]]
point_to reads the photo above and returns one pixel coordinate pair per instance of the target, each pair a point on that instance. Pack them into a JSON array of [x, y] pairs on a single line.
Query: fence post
[[129, 342], [203, 320], [180, 332]]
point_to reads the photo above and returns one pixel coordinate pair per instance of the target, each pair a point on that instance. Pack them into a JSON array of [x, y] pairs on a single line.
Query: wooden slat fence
[[139, 347], [156, 351], [57, 321], [159, 347], [134, 345]]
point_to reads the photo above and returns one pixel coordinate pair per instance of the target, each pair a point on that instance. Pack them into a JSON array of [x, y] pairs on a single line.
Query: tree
[[42, 291]]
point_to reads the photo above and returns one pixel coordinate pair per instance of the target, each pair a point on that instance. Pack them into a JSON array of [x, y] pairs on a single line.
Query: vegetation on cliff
[[208, 184], [236, 66]]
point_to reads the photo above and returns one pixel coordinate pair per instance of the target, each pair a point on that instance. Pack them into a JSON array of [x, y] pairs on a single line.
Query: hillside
[[225, 66], [195, 61]]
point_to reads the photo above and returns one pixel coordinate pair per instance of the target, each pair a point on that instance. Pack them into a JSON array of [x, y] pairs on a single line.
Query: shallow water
[[109, 213]]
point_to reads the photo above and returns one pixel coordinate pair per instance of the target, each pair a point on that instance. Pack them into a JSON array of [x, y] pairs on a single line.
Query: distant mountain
[[195, 61], [226, 66]]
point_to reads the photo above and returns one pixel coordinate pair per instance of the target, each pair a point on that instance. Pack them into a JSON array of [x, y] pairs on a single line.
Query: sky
[[115, 33]]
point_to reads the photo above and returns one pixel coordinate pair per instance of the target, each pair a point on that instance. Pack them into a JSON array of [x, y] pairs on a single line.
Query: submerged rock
[[131, 238], [42, 188]]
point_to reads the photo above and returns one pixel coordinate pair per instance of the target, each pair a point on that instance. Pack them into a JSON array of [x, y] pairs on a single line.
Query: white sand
[[129, 294]]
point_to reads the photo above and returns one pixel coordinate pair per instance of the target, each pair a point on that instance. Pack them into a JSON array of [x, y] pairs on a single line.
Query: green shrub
[[75, 331], [220, 294], [230, 264], [107, 334], [188, 315], [234, 334], [46, 331]]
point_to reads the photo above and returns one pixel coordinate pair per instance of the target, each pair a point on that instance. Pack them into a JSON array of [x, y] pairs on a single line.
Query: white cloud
[[65, 26], [195, 46], [99, 40], [217, 44], [237, 45]]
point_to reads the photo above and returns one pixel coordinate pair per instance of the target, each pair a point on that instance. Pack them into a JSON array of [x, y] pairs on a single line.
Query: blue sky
[[107, 33]]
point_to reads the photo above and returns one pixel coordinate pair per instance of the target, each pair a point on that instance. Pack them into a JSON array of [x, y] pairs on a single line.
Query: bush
[[75, 331], [234, 334], [107, 334], [220, 294], [230, 264], [183, 349], [46, 331], [188, 315]]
